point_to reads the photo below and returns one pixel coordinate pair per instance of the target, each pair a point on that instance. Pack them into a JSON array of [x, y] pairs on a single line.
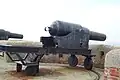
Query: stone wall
[[112, 65], [100, 51]]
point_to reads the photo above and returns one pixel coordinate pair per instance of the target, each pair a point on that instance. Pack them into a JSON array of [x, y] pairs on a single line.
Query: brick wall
[[111, 73]]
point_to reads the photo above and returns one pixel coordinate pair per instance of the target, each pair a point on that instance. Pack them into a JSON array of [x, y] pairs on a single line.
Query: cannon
[[71, 36], [65, 38], [5, 35], [60, 28]]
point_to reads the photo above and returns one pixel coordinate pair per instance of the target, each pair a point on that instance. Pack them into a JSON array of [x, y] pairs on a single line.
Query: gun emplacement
[[65, 38]]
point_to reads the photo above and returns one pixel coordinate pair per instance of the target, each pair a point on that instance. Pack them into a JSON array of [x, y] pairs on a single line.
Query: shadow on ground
[[42, 72], [47, 72]]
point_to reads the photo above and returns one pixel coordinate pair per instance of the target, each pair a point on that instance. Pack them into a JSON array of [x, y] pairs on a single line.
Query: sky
[[29, 17]]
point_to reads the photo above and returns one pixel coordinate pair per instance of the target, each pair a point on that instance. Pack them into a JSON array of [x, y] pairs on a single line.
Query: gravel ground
[[48, 71]]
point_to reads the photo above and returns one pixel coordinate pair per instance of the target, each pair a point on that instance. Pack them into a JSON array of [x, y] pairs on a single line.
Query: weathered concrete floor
[[48, 71]]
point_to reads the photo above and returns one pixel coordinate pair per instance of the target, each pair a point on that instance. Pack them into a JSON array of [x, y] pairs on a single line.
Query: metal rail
[[39, 50]]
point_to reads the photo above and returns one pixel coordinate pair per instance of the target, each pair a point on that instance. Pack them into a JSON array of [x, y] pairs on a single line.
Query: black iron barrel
[[14, 35], [97, 36], [60, 28], [5, 35]]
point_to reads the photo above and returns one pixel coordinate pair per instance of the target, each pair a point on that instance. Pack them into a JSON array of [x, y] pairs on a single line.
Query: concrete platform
[[48, 71]]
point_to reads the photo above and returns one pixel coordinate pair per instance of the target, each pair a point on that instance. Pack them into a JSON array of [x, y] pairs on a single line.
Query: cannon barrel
[[5, 35], [14, 35], [97, 36], [60, 28]]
